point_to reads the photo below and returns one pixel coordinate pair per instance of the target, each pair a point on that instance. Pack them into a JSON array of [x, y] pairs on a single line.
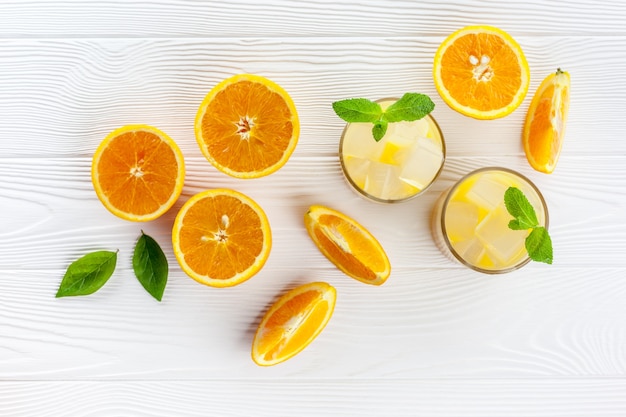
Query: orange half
[[481, 72], [138, 172], [293, 322], [544, 128], [247, 126], [348, 245], [221, 237]]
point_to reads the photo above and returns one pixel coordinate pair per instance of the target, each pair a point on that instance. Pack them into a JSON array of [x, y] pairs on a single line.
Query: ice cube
[[422, 163], [359, 142], [356, 168], [461, 220], [382, 181], [487, 192], [471, 250], [504, 244]]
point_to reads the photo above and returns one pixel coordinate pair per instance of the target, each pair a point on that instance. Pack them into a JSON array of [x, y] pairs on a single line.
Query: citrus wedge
[[221, 237], [138, 172], [481, 72], [293, 322], [247, 126], [544, 128], [348, 245]]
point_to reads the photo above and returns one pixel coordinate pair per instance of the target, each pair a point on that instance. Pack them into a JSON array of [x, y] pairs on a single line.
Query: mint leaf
[[539, 245], [356, 110], [88, 274], [150, 265], [379, 129], [411, 107], [519, 207]]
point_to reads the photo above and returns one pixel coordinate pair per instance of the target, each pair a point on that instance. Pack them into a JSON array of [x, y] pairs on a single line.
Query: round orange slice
[[247, 126], [138, 172], [481, 72], [221, 237], [293, 322], [348, 245], [544, 128]]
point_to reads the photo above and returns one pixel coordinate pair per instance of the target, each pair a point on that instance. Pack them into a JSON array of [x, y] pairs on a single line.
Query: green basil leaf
[[356, 110], [411, 107], [539, 245], [88, 274], [150, 266]]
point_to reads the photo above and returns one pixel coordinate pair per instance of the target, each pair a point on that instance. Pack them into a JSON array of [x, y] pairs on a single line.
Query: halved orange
[[221, 237], [544, 128], [293, 322], [348, 245], [138, 172], [481, 72], [247, 126]]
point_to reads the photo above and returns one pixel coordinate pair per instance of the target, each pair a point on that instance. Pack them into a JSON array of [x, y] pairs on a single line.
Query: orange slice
[[545, 122], [221, 238], [138, 172], [293, 322], [247, 126], [481, 72], [348, 245]]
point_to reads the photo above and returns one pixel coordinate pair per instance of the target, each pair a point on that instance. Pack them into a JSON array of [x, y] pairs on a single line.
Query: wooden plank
[[423, 323], [61, 97], [50, 209], [581, 397], [248, 18]]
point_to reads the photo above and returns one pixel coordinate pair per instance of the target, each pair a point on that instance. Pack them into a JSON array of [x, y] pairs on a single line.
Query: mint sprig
[[411, 107], [538, 243]]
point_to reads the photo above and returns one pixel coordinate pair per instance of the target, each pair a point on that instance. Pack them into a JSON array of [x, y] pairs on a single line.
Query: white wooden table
[[435, 340]]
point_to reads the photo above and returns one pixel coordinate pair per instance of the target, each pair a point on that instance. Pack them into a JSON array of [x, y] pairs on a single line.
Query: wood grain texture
[[436, 340], [585, 198], [62, 97], [601, 397], [280, 18]]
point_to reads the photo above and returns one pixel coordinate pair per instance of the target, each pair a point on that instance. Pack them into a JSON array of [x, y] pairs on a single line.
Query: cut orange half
[[247, 126], [138, 172], [481, 72], [544, 128], [293, 322], [221, 237], [348, 245]]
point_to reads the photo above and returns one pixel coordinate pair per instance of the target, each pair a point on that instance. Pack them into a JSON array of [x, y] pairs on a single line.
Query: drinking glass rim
[[370, 197], [444, 206]]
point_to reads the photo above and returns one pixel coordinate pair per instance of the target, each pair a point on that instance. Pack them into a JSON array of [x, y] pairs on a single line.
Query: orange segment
[[221, 238], [481, 72], [138, 172], [293, 322], [348, 245], [544, 128], [247, 126]]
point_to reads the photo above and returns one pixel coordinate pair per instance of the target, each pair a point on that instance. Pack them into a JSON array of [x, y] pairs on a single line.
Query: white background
[[435, 340]]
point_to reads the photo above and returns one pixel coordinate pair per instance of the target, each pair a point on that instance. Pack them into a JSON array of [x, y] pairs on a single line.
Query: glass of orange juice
[[470, 222], [402, 165]]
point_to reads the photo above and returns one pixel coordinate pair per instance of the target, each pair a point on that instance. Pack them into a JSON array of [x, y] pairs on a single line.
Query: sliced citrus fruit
[[481, 72], [348, 245], [545, 122], [292, 323], [221, 237], [247, 126], [138, 172]]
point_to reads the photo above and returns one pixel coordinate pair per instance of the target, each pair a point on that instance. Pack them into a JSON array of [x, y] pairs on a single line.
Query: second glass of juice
[[400, 166], [470, 220]]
